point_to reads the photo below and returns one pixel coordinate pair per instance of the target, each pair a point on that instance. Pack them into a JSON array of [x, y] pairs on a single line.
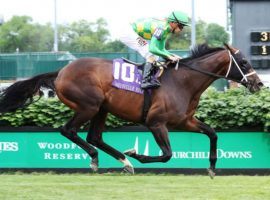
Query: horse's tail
[[20, 94]]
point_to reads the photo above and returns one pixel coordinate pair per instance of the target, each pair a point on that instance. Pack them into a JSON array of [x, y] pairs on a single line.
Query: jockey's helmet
[[179, 17]]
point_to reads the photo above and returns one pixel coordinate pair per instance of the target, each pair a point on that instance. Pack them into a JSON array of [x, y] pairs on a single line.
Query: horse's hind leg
[[70, 131], [94, 137]]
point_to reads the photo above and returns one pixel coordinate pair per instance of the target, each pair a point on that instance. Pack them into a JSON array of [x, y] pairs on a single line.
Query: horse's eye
[[244, 62]]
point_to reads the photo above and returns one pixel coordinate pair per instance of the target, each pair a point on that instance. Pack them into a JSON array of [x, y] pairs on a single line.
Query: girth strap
[[146, 104]]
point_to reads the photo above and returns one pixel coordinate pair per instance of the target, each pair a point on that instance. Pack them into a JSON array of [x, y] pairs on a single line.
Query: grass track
[[46, 186]]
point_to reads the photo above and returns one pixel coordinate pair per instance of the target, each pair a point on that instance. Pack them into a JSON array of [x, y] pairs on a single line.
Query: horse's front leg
[[160, 133], [197, 126]]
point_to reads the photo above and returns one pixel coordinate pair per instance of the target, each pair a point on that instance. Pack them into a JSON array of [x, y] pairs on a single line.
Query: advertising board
[[190, 150]]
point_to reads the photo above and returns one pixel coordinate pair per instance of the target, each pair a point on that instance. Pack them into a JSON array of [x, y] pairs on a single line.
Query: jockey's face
[[175, 27]]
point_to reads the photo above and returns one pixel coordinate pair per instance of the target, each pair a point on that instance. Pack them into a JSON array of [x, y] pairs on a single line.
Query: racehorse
[[85, 85]]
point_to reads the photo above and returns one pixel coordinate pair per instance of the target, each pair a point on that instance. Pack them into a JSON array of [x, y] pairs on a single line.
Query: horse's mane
[[200, 50]]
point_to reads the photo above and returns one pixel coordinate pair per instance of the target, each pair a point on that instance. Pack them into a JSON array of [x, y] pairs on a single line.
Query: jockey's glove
[[174, 58]]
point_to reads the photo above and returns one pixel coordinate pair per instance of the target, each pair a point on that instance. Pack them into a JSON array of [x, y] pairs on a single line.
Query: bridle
[[232, 59]]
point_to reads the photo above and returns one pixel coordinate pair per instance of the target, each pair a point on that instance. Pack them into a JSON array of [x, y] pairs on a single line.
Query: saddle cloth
[[127, 76]]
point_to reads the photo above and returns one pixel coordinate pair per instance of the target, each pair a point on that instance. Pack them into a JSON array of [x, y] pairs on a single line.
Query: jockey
[[148, 37]]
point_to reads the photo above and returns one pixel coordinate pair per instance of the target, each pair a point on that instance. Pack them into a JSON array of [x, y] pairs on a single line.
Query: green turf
[[41, 186]]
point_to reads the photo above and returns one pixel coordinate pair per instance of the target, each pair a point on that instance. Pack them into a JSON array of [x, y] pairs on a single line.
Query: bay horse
[[85, 86]]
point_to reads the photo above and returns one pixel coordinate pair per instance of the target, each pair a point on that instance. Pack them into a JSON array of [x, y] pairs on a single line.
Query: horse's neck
[[198, 82]]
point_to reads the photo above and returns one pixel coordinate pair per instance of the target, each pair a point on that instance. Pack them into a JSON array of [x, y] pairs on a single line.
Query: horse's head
[[242, 71]]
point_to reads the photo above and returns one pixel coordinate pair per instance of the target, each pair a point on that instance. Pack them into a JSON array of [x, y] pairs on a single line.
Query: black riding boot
[[149, 81]]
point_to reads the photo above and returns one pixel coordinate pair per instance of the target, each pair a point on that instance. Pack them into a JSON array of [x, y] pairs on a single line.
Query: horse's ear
[[231, 48], [227, 46]]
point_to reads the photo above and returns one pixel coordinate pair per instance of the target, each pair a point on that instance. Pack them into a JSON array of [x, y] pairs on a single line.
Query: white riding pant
[[130, 38]]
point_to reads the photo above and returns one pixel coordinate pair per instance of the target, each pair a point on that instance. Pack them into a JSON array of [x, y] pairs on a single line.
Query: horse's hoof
[[128, 169], [130, 152], [211, 173], [94, 164]]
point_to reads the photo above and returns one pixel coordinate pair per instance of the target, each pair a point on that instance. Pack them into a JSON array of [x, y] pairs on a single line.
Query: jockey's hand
[[151, 59], [179, 57], [173, 58]]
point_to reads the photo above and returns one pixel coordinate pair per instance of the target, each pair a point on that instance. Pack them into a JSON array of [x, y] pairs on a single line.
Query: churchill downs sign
[[51, 150]]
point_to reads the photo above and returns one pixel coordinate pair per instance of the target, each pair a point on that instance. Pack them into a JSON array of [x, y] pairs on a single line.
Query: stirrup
[[151, 84]]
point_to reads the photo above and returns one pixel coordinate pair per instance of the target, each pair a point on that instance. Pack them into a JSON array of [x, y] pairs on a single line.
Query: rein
[[232, 59]]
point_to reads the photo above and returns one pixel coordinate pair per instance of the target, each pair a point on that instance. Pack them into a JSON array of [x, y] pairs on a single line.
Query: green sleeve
[[157, 47]]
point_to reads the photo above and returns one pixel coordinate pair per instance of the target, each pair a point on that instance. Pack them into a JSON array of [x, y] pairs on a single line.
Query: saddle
[[158, 66]]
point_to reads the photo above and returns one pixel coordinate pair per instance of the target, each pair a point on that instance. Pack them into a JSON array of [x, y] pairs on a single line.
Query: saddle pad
[[126, 76]]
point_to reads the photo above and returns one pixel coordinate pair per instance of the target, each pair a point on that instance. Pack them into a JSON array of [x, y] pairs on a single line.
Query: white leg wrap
[[126, 162]]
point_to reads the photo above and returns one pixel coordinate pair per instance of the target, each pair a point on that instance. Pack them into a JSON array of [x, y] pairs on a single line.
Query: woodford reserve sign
[[190, 150]]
